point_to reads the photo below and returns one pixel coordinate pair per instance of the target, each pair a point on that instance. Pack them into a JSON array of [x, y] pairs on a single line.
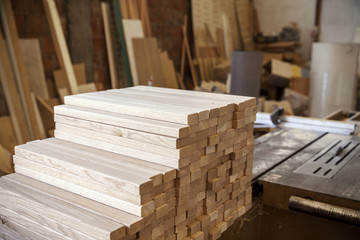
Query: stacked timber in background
[[135, 163]]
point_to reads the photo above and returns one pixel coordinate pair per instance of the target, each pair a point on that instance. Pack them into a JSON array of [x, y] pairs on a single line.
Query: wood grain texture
[[77, 218]]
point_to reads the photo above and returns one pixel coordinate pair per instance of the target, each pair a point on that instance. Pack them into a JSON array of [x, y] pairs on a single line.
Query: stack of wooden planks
[[135, 163]]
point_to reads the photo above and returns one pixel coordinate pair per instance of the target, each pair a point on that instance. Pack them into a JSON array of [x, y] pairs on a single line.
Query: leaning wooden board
[[178, 178]]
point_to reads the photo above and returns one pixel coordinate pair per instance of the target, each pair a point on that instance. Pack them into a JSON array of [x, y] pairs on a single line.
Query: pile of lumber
[[135, 163]]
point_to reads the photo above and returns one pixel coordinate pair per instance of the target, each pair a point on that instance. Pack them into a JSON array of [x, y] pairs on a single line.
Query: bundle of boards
[[135, 163]]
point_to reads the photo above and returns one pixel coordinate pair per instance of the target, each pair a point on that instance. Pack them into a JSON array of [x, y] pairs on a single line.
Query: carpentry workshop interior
[[179, 119]]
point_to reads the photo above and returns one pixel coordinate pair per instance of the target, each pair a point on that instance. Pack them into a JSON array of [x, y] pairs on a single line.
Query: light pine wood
[[87, 87], [12, 96], [60, 44], [19, 68], [34, 66], [109, 44]]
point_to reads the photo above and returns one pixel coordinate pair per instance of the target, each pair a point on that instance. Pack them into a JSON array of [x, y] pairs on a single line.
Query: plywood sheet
[[168, 71]]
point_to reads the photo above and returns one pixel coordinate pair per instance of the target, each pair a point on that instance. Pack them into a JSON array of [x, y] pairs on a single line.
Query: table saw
[[306, 185]]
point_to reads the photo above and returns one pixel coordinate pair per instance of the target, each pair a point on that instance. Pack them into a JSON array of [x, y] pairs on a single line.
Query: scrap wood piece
[[12, 96], [109, 43], [243, 16], [18, 64], [34, 66], [212, 39], [62, 52], [144, 15]]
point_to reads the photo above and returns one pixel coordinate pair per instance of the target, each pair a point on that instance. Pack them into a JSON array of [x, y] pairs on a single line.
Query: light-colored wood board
[[26, 227], [7, 136], [198, 103], [147, 60], [34, 66], [53, 229], [109, 44], [88, 152], [174, 163], [143, 109], [145, 100], [116, 178], [7, 233], [6, 164], [87, 193], [134, 223], [72, 216], [12, 96], [126, 142], [141, 136], [168, 71], [60, 44], [218, 97], [18, 64], [145, 169], [126, 121], [127, 201], [132, 29], [60, 78]]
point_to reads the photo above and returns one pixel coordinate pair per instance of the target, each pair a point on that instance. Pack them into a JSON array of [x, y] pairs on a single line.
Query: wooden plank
[[168, 71], [60, 78], [60, 44], [134, 223], [163, 113], [42, 133], [111, 176], [188, 53], [132, 29], [126, 142], [126, 121], [148, 63], [75, 217], [12, 96], [19, 68], [160, 140], [155, 158], [34, 66], [109, 44]]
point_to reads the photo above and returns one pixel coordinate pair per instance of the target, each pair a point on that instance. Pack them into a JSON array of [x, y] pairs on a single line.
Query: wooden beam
[[60, 44]]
